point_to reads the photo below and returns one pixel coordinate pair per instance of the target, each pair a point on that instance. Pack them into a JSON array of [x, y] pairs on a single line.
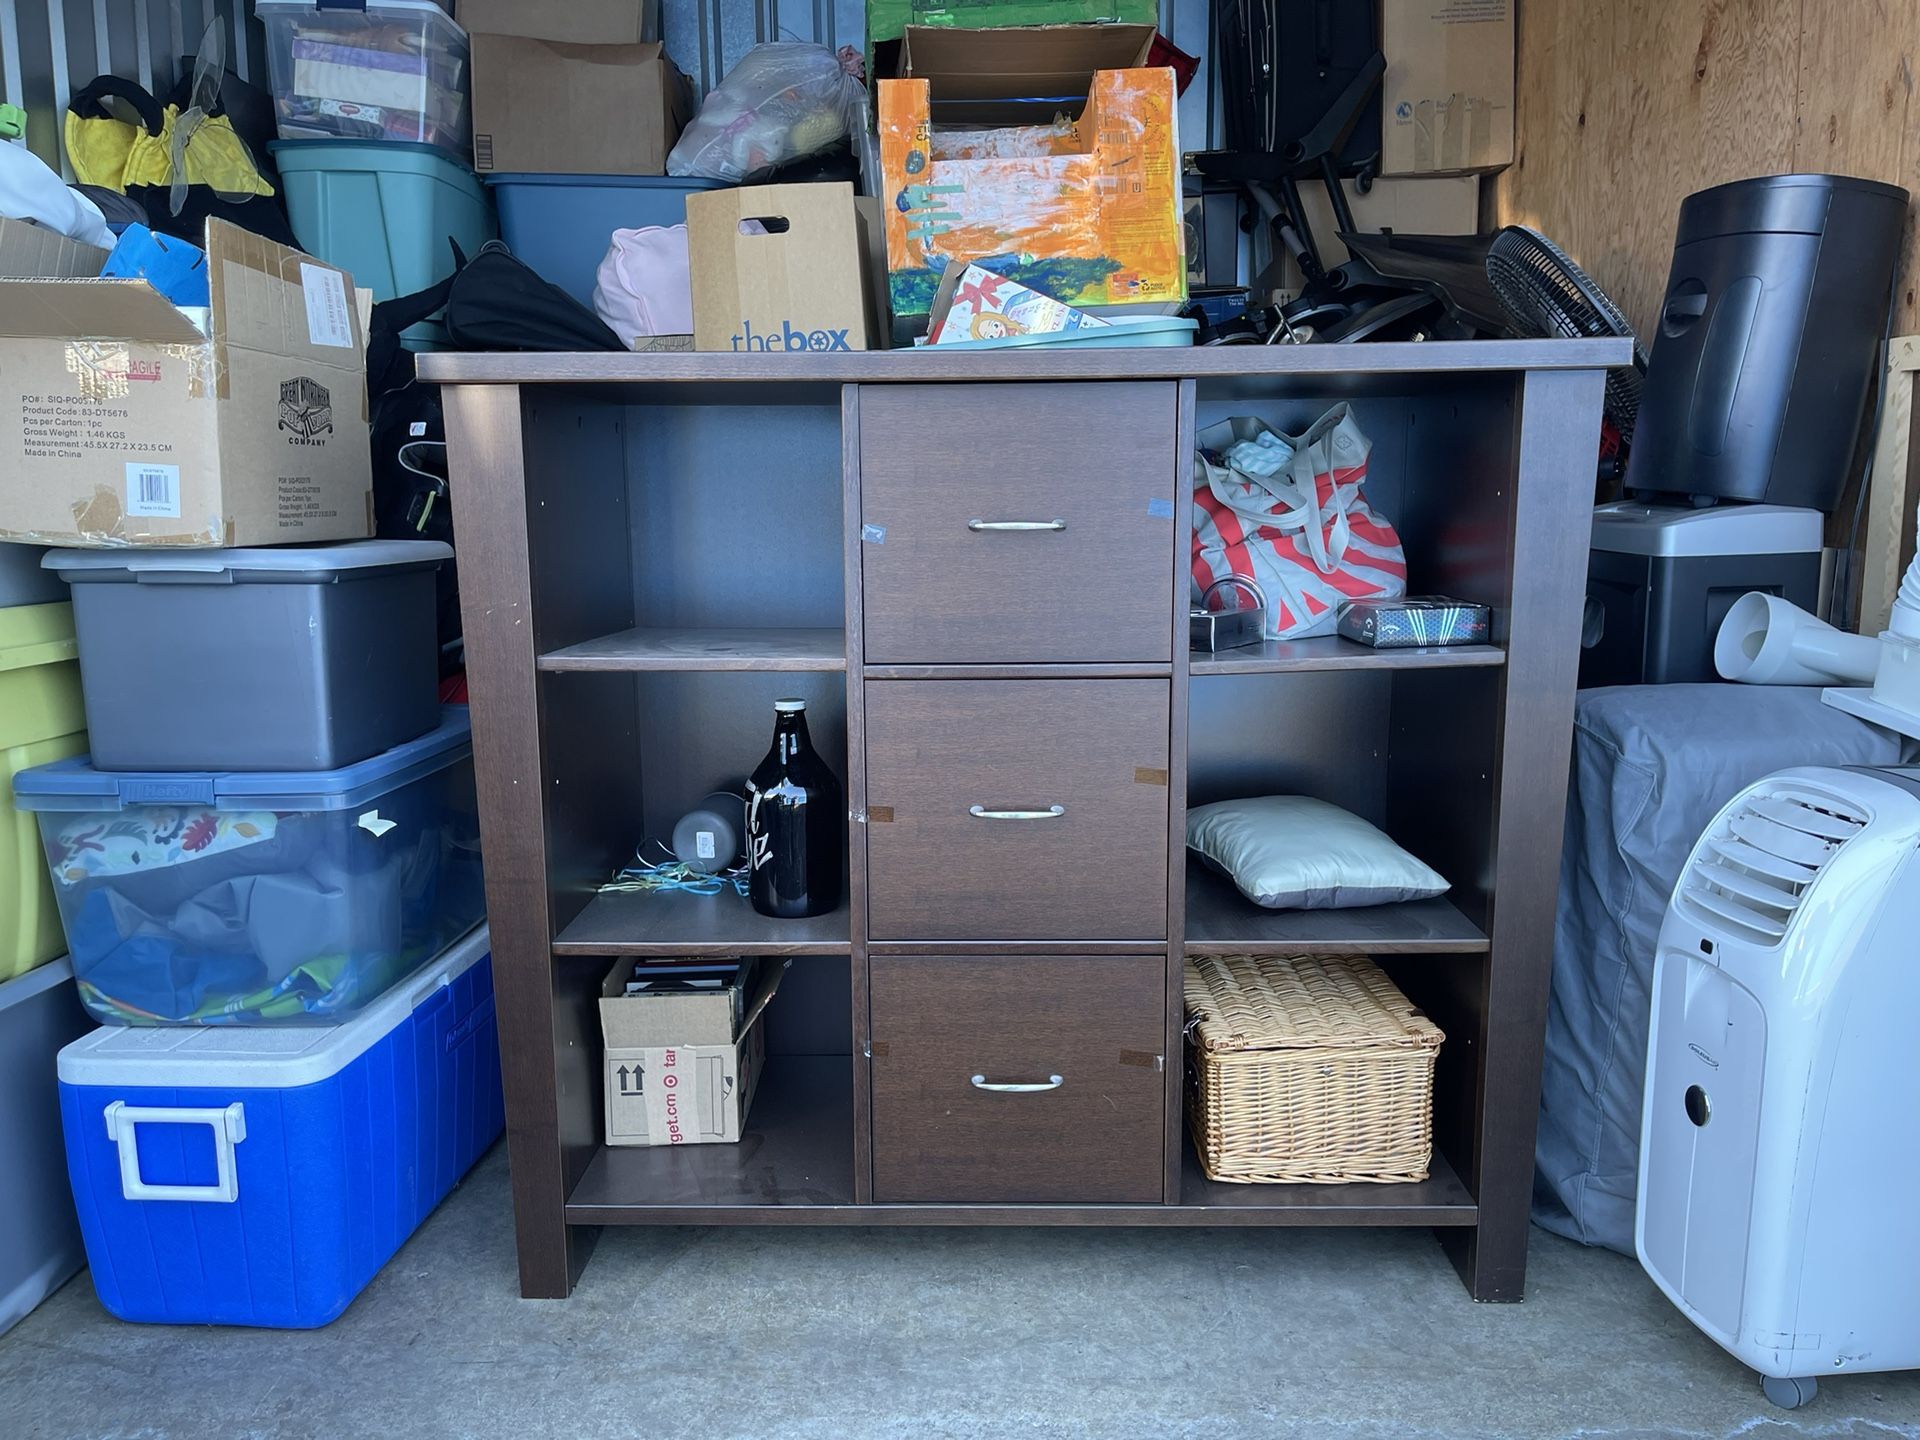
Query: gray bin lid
[[290, 564]]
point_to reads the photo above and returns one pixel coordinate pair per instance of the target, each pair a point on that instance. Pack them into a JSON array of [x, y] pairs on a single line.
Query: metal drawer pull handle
[[980, 812], [978, 525], [1008, 1087]]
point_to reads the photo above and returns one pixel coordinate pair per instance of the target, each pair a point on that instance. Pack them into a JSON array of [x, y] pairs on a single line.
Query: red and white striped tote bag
[[1304, 532]]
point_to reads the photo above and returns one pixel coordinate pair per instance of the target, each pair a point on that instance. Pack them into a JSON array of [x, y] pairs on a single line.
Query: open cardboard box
[[679, 1071], [1074, 191], [33, 252], [785, 268], [125, 420]]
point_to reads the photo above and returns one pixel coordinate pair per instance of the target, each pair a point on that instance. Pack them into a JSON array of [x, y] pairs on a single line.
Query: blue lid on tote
[[75, 785]]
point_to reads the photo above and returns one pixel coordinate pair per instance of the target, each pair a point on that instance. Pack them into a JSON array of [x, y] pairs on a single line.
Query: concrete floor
[[1335, 1335]]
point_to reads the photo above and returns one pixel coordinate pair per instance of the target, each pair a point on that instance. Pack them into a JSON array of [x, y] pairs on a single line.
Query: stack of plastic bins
[[41, 719]]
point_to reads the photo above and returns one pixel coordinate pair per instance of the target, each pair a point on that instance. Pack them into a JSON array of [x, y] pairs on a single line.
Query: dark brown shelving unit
[[619, 671]]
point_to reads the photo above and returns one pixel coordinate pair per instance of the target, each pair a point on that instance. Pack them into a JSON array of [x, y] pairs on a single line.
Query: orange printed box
[[1086, 209]]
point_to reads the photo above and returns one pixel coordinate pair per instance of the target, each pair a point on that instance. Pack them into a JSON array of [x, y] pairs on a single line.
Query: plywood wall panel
[[1627, 106]]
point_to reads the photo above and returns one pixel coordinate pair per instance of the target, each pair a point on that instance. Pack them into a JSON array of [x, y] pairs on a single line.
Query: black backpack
[[494, 302]]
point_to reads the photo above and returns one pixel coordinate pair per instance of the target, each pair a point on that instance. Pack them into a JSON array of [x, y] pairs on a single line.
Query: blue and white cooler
[[239, 1176]]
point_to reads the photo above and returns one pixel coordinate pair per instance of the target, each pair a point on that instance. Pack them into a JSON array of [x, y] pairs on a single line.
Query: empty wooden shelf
[[666, 648], [974, 569]]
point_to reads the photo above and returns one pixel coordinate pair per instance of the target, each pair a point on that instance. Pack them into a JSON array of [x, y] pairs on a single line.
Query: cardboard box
[[1087, 205], [804, 278], [1447, 103], [575, 89], [127, 421], [679, 1071], [573, 22], [1428, 205], [29, 251]]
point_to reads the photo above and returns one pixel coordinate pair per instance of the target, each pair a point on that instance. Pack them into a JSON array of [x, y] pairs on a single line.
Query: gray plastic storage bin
[[40, 1247], [305, 658]]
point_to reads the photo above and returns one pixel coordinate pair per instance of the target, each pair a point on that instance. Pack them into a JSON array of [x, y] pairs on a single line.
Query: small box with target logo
[[685, 1045], [126, 419]]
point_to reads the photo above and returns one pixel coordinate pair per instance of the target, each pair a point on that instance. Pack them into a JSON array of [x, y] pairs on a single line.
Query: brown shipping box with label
[[575, 89], [785, 268], [125, 420], [1447, 102], [679, 1070]]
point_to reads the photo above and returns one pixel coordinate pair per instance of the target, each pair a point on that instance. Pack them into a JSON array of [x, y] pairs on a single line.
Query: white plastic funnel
[[1769, 641]]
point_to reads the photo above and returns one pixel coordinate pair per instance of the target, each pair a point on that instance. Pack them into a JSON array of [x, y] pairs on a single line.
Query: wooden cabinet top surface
[[880, 366]]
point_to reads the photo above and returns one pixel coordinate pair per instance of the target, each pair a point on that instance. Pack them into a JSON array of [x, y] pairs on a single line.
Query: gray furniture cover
[[1652, 764]]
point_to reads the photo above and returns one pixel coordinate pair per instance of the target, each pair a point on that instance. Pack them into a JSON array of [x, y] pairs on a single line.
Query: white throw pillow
[[1290, 852]]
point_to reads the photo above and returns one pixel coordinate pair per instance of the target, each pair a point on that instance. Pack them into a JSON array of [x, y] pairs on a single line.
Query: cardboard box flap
[[33, 252], [577, 22], [270, 298], [93, 310], [1017, 76], [705, 1018]]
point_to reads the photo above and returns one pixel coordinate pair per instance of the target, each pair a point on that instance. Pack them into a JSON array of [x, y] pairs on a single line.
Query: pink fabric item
[[643, 287]]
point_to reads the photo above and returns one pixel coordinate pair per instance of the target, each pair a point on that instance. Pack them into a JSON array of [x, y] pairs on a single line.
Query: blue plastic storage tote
[[384, 212], [260, 897], [263, 1177], [561, 225]]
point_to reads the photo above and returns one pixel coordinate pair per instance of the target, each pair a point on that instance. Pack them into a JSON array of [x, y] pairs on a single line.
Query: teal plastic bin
[[1124, 334], [561, 225], [384, 213]]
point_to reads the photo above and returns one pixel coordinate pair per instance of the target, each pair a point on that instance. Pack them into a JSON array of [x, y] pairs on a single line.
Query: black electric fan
[[1518, 284], [1551, 296]]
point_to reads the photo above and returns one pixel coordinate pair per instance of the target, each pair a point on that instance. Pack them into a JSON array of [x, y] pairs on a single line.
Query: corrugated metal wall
[[49, 48]]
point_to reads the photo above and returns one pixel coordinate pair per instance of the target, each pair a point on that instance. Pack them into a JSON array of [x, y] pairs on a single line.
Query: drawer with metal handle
[[1017, 809], [1005, 1079], [1018, 524]]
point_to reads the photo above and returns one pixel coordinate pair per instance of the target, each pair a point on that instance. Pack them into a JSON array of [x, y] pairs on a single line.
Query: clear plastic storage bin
[[260, 898], [396, 70]]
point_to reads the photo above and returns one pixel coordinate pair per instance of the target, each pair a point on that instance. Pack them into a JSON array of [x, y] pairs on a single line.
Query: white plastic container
[[397, 70]]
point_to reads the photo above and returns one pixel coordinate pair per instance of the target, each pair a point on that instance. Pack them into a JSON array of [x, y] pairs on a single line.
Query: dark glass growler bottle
[[794, 816]]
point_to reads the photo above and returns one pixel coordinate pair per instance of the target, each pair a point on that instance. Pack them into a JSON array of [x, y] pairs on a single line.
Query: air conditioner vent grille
[[1757, 864]]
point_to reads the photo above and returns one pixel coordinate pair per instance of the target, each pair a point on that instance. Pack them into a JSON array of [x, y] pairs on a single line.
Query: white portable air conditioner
[[1779, 1198]]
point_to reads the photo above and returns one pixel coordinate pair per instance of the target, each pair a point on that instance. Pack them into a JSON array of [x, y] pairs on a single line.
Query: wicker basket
[[1304, 1069]]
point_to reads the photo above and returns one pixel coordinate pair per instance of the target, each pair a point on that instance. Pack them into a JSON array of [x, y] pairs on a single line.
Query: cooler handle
[[229, 1129]]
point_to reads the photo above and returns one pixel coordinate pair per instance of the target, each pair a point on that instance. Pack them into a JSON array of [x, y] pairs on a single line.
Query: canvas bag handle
[[1299, 494]]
